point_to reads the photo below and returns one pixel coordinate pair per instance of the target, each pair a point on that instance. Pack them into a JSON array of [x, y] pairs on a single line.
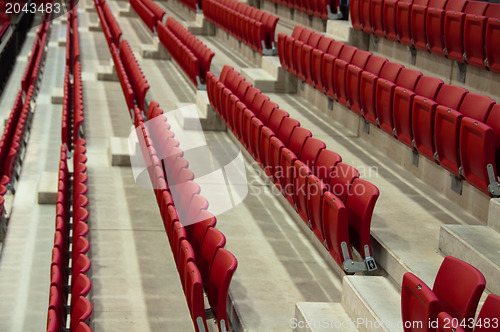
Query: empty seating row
[[149, 12], [197, 247], [442, 122], [252, 26], [187, 227], [328, 195], [452, 303], [70, 285], [326, 9], [191, 54], [462, 30], [134, 84], [15, 133]]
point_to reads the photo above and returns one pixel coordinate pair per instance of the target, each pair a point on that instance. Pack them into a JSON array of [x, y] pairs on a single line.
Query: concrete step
[[321, 316], [494, 214], [374, 301], [270, 77], [47, 188], [200, 26], [344, 32], [478, 246]]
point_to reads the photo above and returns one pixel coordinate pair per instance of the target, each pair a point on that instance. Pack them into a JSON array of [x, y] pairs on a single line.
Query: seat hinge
[[494, 186]]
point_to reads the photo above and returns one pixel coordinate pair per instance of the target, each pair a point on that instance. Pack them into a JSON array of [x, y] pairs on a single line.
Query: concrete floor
[[135, 282]]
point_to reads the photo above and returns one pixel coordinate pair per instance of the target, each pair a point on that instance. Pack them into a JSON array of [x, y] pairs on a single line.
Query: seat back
[[325, 164], [223, 267], [459, 286], [489, 314], [419, 305]]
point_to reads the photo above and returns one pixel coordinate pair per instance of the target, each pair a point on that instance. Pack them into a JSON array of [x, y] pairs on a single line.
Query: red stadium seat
[[389, 21], [489, 314], [459, 286], [384, 96], [317, 62], [301, 173], [359, 59], [454, 29], [419, 305], [419, 19], [194, 296], [447, 128], [403, 106], [423, 115], [341, 180], [446, 323], [325, 164], [434, 25], [335, 227]]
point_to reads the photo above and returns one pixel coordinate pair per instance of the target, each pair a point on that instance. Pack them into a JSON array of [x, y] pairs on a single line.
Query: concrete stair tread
[[477, 245], [321, 316], [372, 299]]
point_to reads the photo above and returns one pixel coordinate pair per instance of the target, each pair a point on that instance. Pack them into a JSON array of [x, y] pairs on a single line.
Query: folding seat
[[311, 150], [384, 96], [224, 105], [341, 180], [346, 54], [214, 239], [287, 171], [418, 22], [365, 16], [368, 83], [246, 123], [80, 228], [360, 203], [377, 22], [250, 96], [79, 265], [492, 41], [282, 50], [490, 312], [479, 145], [230, 113], [434, 25], [447, 128], [276, 119], [223, 267], [242, 89], [168, 222], [328, 60], [81, 287], [80, 312], [297, 51], [317, 62], [300, 184], [335, 227], [266, 111], [233, 79], [354, 9], [423, 116], [459, 286], [297, 140], [286, 129], [419, 305], [186, 254], [239, 111], [81, 246], [178, 234], [325, 164], [255, 128], [307, 54], [454, 28], [53, 322], [403, 19], [315, 191], [475, 35], [359, 59], [196, 231], [56, 303], [353, 78], [194, 297], [224, 72], [426, 87], [274, 158]]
